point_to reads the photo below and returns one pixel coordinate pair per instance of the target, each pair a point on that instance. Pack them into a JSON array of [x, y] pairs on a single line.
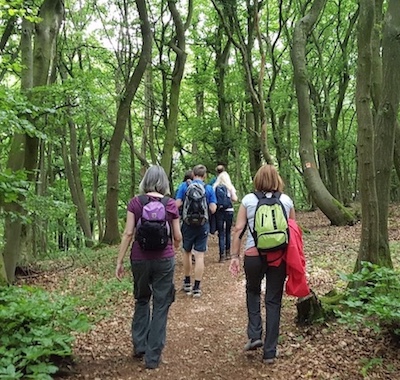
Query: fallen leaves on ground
[[205, 336]]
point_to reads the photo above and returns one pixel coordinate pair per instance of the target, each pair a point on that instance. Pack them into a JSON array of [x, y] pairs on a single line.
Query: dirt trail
[[205, 337]]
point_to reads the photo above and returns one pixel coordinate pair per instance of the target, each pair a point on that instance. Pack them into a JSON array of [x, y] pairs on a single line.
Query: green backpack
[[271, 228]]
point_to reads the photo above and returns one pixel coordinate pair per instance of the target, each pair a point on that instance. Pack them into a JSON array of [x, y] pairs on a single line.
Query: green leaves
[[373, 298], [35, 330], [12, 184]]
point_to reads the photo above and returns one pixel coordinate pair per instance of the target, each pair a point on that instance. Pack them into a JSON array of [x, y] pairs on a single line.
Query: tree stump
[[309, 310]]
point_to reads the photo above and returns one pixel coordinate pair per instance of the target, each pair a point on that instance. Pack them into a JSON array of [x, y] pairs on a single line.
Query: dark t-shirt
[[135, 207]]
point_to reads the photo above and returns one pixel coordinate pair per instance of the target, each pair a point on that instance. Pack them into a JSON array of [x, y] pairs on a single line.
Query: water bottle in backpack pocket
[[271, 228], [195, 208], [152, 229]]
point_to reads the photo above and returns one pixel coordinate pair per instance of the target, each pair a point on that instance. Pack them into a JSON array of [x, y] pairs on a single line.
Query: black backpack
[[223, 201], [195, 208], [153, 230]]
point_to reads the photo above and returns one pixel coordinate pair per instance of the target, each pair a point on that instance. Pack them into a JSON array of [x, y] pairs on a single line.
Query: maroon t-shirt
[[135, 207]]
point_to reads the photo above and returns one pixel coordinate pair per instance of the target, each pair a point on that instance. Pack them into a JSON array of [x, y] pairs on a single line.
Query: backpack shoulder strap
[[259, 194], [164, 200], [144, 199], [276, 194]]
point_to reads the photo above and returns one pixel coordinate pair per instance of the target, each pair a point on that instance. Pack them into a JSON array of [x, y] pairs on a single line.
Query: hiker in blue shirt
[[198, 201]]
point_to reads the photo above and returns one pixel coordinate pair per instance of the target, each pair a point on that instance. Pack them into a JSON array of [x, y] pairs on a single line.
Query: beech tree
[[331, 207], [377, 101], [112, 233], [38, 41]]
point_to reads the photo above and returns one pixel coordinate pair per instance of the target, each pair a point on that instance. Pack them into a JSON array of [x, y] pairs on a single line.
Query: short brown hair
[[199, 171], [267, 179]]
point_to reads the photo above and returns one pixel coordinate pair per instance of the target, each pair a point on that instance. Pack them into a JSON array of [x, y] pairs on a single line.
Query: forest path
[[205, 336]]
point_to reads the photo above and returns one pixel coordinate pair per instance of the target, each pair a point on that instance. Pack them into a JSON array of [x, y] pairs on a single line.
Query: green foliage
[[372, 299], [370, 364], [36, 332], [16, 113], [20, 8], [12, 184]]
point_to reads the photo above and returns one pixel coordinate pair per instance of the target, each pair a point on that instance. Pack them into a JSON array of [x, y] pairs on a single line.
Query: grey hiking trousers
[[152, 279]]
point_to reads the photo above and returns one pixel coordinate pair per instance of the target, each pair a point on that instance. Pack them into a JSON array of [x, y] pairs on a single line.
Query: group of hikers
[[159, 225]]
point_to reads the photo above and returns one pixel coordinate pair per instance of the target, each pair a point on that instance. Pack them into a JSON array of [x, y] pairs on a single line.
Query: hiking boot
[[222, 258], [138, 355], [152, 365], [228, 256], [253, 344], [196, 293], [187, 288], [269, 361]]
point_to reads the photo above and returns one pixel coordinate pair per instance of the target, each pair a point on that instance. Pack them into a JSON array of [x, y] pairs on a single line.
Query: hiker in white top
[[256, 267], [226, 195]]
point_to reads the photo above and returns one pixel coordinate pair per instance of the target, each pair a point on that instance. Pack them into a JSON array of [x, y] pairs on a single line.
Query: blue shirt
[[210, 193]]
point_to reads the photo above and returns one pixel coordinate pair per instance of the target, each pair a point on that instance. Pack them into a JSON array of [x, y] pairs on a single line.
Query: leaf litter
[[205, 336]]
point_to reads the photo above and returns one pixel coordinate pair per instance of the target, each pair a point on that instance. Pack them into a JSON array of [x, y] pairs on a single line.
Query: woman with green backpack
[[260, 263]]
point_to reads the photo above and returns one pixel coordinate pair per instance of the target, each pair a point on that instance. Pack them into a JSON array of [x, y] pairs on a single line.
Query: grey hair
[[155, 180]]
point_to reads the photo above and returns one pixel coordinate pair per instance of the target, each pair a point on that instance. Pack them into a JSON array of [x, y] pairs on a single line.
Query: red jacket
[[296, 284]]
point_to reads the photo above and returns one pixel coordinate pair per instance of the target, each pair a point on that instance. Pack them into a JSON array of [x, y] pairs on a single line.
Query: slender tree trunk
[[224, 144], [73, 174], [332, 208], [386, 119], [112, 235], [367, 174], [95, 175], [23, 155], [178, 45]]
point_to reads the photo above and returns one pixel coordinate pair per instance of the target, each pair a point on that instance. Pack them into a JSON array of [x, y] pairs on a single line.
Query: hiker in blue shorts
[[198, 201]]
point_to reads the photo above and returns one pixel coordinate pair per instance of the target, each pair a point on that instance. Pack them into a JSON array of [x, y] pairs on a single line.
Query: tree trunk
[[36, 65], [385, 120], [332, 208], [224, 143], [367, 174], [309, 310], [112, 235], [396, 154], [95, 175], [73, 174], [178, 45]]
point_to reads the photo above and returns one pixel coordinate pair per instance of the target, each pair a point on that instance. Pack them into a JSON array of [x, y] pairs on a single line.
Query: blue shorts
[[195, 237]]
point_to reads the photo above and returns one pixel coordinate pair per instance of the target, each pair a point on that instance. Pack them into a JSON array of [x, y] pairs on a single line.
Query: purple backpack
[[152, 230]]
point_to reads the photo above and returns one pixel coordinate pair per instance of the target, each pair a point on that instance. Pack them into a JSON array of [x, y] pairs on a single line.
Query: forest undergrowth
[[205, 336]]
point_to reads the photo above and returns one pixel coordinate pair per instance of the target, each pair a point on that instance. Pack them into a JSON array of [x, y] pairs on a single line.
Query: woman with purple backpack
[[152, 262]]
